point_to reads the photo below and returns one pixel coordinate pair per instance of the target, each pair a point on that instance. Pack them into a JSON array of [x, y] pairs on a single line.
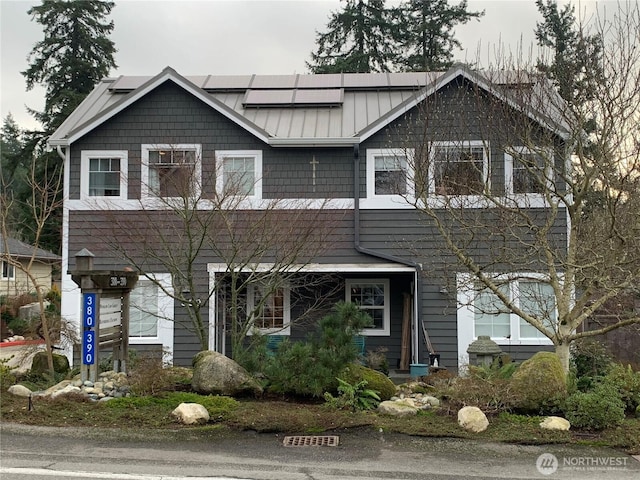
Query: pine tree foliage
[[361, 38], [75, 54], [427, 33], [575, 65]]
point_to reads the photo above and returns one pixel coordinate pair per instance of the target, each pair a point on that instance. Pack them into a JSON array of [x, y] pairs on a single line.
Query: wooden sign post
[[105, 313]]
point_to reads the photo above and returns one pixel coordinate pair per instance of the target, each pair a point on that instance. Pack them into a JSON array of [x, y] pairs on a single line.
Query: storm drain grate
[[311, 441]]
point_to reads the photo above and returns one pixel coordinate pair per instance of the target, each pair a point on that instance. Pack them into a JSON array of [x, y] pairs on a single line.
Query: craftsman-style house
[[347, 148]]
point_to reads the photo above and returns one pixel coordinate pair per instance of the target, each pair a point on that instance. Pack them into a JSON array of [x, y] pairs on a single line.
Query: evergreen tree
[[575, 65], [360, 39], [13, 173], [426, 33], [12, 167], [74, 55]]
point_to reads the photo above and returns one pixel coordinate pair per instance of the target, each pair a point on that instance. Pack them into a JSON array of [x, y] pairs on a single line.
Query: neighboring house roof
[[18, 249], [308, 110]]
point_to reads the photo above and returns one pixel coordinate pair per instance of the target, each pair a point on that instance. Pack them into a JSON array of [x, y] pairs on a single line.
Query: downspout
[[61, 154], [384, 256]]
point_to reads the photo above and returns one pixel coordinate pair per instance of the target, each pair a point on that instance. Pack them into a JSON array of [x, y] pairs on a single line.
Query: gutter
[[384, 256]]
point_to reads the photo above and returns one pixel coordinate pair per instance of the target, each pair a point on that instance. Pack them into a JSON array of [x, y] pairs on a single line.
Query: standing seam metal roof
[[366, 102]]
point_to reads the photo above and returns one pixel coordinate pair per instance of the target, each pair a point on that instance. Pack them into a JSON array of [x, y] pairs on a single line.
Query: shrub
[[7, 377], [353, 396], [311, 367], [595, 410], [627, 383], [148, 375], [377, 381], [253, 357], [539, 384], [491, 395], [377, 360], [590, 360]]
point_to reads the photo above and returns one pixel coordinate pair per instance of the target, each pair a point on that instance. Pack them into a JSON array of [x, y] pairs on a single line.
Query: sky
[[235, 37]]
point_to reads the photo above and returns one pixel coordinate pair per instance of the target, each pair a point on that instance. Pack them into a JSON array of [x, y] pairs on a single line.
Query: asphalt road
[[36, 453]]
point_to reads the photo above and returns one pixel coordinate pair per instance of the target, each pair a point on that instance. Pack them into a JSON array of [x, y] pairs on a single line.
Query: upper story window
[[239, 173], [8, 271], [526, 171], [103, 174], [171, 170], [271, 309], [389, 173], [372, 296], [459, 168]]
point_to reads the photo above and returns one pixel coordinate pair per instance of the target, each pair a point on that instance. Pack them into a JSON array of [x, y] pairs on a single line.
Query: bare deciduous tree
[[41, 205], [183, 226], [560, 219]]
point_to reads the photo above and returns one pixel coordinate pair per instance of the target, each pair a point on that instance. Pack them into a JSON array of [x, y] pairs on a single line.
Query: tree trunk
[[562, 350]]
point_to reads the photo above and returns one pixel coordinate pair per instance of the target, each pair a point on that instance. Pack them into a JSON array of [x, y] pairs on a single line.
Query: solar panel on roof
[[293, 97], [268, 97]]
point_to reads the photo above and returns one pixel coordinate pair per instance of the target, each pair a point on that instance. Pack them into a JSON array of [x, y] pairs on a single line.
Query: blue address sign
[[89, 322], [89, 347], [89, 310]]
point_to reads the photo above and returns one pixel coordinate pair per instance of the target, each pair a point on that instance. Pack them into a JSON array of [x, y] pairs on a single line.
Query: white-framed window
[[389, 173], [239, 173], [271, 309], [527, 171], [459, 168], [373, 297], [481, 312], [8, 271], [103, 174], [151, 311], [171, 170]]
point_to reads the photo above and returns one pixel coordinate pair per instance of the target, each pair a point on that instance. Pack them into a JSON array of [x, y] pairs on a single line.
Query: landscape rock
[[68, 389], [397, 408], [19, 391], [111, 385], [376, 381], [472, 419], [217, 374], [191, 413], [40, 363], [555, 423]]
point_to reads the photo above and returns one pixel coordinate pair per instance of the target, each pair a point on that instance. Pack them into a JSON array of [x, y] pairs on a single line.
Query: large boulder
[[40, 364], [191, 413], [539, 383], [472, 419], [214, 373], [555, 423], [376, 381]]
